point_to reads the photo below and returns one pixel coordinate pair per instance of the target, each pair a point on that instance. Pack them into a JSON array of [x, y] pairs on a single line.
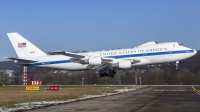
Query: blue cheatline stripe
[[183, 51], [118, 57], [62, 61], [47, 63]]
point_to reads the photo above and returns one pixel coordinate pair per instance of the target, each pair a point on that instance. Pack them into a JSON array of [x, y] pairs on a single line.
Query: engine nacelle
[[95, 61], [123, 64]]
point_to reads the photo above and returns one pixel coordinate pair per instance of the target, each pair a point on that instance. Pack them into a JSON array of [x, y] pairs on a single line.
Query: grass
[[13, 95]]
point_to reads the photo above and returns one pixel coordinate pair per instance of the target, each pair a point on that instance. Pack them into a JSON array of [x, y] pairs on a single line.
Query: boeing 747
[[106, 62]]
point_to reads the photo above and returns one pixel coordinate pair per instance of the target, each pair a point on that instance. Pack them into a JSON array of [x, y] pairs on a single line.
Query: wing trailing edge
[[73, 55]]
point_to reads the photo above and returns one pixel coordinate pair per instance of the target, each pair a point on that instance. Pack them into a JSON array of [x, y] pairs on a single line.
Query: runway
[[150, 99]]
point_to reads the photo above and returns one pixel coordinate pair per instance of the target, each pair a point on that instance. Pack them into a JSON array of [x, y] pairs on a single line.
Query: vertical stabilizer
[[23, 47]]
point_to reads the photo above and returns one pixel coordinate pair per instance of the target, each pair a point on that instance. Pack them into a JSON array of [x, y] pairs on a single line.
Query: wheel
[[105, 74], [113, 72], [100, 75]]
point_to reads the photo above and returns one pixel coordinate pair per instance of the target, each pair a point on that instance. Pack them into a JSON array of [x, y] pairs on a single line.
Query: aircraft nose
[[195, 51]]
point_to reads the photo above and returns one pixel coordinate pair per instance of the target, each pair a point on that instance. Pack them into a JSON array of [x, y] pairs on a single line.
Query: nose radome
[[195, 51]]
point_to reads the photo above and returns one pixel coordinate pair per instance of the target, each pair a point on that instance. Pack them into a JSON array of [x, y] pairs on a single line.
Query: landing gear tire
[[111, 73], [103, 74], [177, 62]]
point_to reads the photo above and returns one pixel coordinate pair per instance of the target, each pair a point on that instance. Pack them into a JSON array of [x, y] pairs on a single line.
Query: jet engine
[[93, 61], [123, 64]]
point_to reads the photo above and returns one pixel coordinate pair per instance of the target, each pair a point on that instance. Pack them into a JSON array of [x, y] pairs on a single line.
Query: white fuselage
[[147, 54]]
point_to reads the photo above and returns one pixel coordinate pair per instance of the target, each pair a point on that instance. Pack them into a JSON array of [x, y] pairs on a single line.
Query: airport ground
[[150, 99], [15, 94]]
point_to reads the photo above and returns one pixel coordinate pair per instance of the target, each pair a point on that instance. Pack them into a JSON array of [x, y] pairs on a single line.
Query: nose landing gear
[[177, 62]]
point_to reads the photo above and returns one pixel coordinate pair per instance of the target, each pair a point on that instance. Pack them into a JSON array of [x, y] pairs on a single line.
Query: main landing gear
[[110, 73]]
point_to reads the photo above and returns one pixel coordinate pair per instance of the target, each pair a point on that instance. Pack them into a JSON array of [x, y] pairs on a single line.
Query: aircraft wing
[[107, 60], [21, 60], [77, 56], [99, 67], [73, 55]]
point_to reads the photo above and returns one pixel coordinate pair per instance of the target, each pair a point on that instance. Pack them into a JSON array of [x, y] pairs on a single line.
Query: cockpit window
[[180, 44]]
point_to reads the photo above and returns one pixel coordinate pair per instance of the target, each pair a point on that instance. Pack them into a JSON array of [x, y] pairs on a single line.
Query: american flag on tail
[[21, 45]]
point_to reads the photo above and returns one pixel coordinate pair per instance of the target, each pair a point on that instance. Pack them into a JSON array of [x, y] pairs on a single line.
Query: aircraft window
[[180, 44]]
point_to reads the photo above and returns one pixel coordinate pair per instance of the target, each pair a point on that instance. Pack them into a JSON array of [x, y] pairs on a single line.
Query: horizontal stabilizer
[[21, 60]]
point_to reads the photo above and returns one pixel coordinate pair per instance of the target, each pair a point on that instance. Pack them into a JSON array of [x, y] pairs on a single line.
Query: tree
[[4, 78], [185, 77]]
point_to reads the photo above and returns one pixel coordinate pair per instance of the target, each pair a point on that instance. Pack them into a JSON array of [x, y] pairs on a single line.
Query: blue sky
[[91, 25]]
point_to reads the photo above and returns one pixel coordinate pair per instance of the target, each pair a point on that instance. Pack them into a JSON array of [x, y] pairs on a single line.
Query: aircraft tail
[[23, 47]]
